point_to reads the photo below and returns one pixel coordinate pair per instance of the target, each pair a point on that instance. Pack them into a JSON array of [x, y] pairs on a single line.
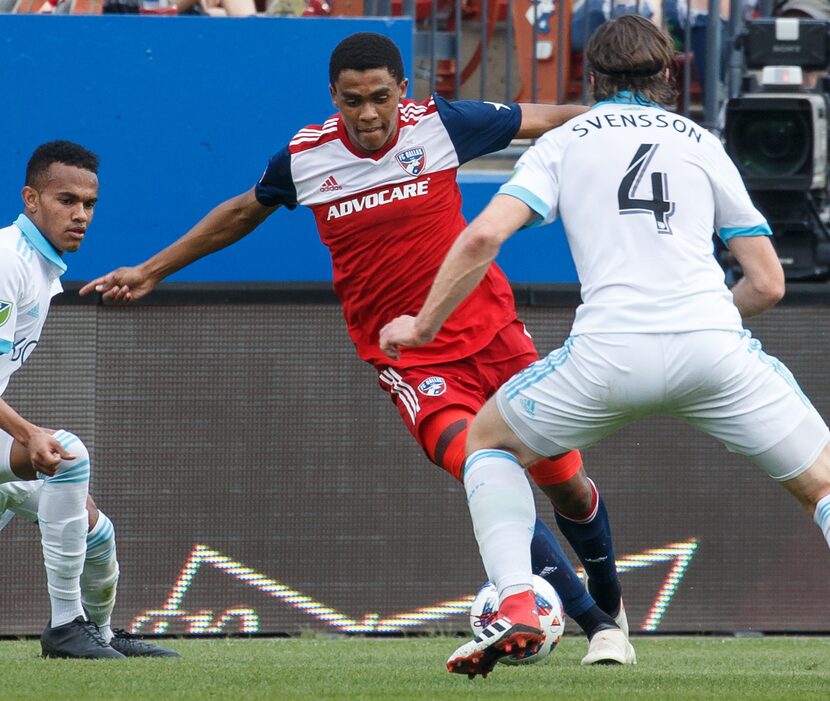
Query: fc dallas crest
[[412, 160]]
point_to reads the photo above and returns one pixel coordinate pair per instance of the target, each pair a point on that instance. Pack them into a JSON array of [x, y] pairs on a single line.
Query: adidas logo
[[330, 185]]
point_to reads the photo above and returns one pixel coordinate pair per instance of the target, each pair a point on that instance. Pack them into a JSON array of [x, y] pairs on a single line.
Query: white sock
[[63, 527], [504, 515], [99, 579], [65, 610], [105, 629], [822, 517]]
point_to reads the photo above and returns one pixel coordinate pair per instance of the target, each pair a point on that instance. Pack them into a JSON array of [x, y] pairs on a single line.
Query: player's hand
[[399, 332], [46, 453], [121, 285]]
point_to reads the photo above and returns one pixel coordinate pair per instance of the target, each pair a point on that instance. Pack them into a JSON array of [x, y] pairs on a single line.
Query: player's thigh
[[6, 444], [426, 396], [15, 458], [490, 431], [749, 401], [590, 387]]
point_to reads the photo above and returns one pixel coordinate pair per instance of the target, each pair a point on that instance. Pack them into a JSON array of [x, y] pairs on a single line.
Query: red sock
[[521, 608]]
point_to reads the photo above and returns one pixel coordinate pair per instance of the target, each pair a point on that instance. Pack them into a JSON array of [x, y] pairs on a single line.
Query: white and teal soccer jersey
[[30, 271], [637, 189]]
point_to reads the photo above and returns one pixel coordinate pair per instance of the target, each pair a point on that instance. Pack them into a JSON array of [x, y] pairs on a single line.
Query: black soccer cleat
[[130, 646], [78, 639]]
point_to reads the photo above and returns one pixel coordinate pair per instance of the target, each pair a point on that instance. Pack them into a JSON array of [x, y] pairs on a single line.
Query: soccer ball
[[485, 609]]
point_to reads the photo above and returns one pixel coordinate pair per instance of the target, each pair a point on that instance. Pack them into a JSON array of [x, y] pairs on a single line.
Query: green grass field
[[390, 669]]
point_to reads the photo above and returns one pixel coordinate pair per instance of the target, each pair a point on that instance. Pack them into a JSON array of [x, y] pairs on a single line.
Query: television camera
[[776, 133]]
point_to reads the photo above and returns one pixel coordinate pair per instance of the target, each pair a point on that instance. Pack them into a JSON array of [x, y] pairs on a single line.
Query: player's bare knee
[[488, 430]]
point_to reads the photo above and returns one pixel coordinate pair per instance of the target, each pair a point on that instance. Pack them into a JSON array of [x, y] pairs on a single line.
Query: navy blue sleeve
[[276, 186], [477, 128]]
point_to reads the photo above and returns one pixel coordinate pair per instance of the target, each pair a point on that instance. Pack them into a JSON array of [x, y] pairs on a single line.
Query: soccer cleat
[[610, 646], [504, 636], [130, 646], [78, 639], [621, 619], [499, 639]]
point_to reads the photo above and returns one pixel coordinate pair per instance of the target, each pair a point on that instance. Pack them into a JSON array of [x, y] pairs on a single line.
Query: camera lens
[[770, 143]]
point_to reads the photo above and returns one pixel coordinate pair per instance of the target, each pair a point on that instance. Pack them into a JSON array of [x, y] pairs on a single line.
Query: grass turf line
[[400, 669]]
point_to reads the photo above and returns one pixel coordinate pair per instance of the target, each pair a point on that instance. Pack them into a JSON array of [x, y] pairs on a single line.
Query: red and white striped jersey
[[389, 217]]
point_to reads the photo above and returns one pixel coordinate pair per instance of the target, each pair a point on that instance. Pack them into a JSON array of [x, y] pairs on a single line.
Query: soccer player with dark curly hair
[[640, 190], [380, 178]]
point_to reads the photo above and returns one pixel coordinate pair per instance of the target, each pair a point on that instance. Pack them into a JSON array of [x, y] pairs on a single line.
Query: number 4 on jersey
[[658, 205]]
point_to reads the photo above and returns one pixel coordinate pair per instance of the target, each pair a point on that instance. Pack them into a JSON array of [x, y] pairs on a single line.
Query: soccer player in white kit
[[640, 191], [44, 474]]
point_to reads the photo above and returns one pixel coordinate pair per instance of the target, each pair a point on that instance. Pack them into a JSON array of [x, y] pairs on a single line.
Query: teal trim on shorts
[[538, 371], [780, 369], [5, 346], [535, 203], [730, 232]]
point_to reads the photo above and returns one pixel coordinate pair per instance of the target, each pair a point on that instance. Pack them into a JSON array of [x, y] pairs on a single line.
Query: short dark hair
[[632, 53], [65, 152], [364, 51]]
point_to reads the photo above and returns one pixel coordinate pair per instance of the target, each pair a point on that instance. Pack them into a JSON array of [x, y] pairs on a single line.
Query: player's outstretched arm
[[223, 225], [538, 119], [463, 268], [762, 285]]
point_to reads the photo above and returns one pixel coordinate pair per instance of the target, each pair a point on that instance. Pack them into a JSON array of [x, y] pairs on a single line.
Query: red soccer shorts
[[437, 402]]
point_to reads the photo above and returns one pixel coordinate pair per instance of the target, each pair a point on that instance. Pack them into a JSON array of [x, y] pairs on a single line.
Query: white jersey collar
[[39, 242]]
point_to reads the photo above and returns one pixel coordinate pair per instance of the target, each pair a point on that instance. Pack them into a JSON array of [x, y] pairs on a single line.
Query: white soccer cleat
[[501, 638], [621, 619], [610, 646]]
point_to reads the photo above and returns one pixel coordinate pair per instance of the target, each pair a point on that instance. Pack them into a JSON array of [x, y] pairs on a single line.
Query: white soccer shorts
[[20, 497], [718, 381]]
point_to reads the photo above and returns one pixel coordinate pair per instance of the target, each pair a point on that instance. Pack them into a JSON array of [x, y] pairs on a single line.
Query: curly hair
[[632, 53], [65, 152], [364, 51]]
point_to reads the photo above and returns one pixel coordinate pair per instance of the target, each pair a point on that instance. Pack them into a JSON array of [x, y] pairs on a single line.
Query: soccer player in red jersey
[[380, 178]]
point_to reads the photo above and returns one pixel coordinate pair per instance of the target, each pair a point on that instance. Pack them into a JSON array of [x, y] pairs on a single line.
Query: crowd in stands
[[686, 20], [207, 8], [586, 16]]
